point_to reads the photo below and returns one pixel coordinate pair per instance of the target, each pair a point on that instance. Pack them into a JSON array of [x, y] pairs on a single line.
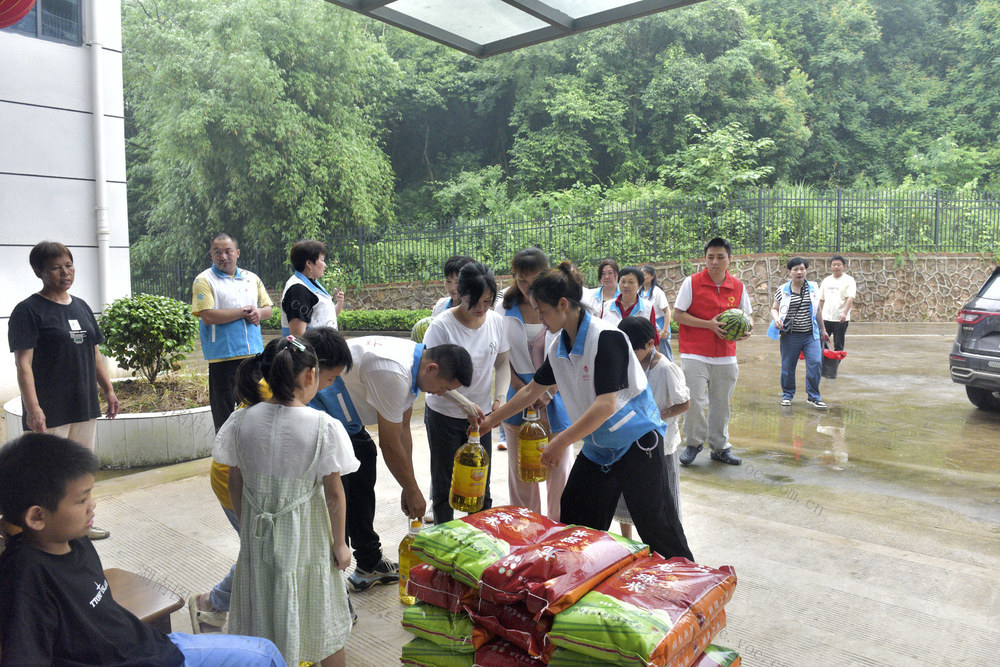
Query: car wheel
[[983, 398]]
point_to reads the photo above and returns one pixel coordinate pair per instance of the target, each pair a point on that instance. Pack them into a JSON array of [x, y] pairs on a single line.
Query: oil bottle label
[[531, 450], [468, 481]]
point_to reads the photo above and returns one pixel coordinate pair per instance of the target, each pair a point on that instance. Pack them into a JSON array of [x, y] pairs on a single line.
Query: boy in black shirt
[[55, 606]]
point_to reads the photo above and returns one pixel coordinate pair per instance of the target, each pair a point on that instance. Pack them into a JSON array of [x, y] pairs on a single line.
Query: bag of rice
[[645, 613], [465, 547], [431, 585], [718, 656], [554, 573], [500, 653], [423, 653], [454, 631], [514, 623], [563, 657]]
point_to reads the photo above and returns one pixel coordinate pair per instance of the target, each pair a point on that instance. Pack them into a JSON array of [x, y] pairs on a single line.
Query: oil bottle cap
[[415, 524]]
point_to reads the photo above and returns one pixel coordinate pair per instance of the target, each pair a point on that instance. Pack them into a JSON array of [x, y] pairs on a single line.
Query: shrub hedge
[[380, 320]]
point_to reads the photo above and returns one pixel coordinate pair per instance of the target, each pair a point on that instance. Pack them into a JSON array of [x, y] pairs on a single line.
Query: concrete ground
[[853, 553]]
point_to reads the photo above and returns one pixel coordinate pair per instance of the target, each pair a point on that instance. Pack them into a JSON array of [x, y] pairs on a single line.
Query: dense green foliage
[[250, 116], [148, 334], [380, 320], [280, 120]]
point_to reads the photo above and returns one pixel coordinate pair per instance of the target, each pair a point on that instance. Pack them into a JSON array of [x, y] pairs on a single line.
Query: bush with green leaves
[[380, 320], [148, 334]]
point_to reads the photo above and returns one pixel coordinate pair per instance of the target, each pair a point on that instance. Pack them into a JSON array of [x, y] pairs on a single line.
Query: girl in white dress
[[285, 463]]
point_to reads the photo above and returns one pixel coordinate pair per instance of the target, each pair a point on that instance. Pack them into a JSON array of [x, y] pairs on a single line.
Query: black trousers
[[445, 435], [836, 330], [359, 487], [222, 389], [592, 491]]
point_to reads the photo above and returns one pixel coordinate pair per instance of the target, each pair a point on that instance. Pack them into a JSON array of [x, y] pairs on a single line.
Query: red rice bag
[[431, 585], [646, 613], [516, 624], [465, 547], [553, 574], [500, 653]]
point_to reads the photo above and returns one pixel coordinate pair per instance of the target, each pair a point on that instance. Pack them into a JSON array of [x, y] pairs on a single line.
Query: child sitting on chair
[[56, 607]]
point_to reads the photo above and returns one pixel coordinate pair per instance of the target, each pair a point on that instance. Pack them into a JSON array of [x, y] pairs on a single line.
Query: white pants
[[83, 433], [527, 494], [711, 387]]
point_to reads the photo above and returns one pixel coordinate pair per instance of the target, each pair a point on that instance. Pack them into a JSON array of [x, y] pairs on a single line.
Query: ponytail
[[562, 282], [280, 365]]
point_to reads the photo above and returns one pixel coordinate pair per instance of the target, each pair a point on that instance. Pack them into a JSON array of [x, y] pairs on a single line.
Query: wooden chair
[[150, 601]]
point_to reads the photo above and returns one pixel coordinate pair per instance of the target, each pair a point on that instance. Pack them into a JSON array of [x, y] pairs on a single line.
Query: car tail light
[[972, 316], [956, 357]]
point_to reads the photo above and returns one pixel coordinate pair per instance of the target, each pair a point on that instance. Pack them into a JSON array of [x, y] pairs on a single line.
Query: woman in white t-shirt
[[475, 326], [528, 340], [652, 293]]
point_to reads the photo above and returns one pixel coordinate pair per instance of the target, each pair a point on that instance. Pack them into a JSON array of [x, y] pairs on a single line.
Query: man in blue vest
[[230, 304]]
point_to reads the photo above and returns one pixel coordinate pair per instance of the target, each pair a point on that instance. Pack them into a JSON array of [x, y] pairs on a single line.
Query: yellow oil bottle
[[407, 559], [531, 440], [468, 476]]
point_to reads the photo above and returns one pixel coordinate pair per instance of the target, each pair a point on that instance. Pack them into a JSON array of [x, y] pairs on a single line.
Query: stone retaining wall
[[917, 288]]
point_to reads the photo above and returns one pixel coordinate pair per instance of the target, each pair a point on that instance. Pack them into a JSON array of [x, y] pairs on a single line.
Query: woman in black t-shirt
[[54, 338]]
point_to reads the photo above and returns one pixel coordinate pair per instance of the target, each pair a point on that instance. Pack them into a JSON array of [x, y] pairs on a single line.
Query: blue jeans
[[791, 344], [223, 591], [218, 650]]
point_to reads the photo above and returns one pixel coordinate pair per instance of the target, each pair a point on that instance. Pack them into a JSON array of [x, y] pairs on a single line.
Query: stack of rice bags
[[507, 586]]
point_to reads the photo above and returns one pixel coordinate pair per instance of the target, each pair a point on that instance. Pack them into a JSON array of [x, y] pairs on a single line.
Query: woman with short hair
[[797, 327], [305, 303], [54, 337]]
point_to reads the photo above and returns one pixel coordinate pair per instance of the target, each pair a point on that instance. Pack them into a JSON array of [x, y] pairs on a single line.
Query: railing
[[784, 221]]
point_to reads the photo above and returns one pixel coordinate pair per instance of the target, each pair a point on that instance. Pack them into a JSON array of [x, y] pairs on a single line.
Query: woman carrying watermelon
[[612, 410], [797, 328]]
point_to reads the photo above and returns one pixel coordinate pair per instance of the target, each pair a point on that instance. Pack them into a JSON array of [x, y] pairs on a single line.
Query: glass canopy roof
[[485, 28]]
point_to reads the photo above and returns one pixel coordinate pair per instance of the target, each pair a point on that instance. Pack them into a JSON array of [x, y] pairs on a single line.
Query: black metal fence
[[785, 221]]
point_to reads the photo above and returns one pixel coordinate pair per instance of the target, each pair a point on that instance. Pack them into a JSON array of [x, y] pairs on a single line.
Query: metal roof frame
[[541, 20]]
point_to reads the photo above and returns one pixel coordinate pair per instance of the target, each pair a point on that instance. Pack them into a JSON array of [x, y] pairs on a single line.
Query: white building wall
[[47, 189]]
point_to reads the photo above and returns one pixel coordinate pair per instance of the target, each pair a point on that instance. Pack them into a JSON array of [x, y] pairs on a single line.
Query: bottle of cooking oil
[[531, 440], [407, 559], [468, 476]]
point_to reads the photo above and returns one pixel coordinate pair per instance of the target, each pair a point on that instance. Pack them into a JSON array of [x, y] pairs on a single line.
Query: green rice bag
[[717, 656], [465, 547], [423, 653], [456, 632], [563, 657]]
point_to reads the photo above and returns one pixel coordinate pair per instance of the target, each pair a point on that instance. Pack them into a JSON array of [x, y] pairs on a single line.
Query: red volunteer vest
[[707, 301]]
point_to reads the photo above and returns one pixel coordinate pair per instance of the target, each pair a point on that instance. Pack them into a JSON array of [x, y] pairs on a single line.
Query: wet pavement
[[897, 425]]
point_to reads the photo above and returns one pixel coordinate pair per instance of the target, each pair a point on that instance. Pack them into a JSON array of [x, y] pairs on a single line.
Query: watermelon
[[419, 329], [736, 323]]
